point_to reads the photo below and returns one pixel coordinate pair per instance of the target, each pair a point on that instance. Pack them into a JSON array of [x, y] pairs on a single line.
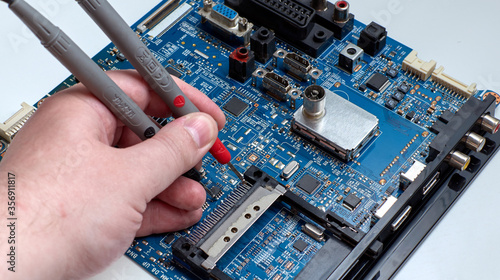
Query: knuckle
[[178, 149], [199, 196]]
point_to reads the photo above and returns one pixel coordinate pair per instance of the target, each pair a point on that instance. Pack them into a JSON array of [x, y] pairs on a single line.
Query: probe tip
[[220, 153]]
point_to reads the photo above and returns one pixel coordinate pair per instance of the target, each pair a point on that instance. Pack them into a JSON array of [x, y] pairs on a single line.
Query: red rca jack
[[489, 123], [241, 64], [341, 12]]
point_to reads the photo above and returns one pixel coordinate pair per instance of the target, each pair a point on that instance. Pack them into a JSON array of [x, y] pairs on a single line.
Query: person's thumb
[[171, 152]]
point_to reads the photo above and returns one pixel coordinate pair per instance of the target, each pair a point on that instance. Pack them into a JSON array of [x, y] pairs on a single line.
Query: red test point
[[220, 152]]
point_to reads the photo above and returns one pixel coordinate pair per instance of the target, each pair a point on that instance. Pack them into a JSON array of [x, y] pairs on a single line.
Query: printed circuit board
[[330, 119]]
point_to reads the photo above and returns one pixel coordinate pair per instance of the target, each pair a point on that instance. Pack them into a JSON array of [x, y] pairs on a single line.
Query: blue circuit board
[[276, 247]]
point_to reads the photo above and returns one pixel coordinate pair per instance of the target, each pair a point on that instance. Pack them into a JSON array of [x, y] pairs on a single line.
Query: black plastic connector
[[373, 38], [191, 257], [452, 128], [292, 20], [289, 18], [428, 206], [241, 64], [335, 225], [263, 44], [446, 116], [336, 18]]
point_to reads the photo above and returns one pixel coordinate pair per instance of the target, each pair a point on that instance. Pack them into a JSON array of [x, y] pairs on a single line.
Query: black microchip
[[174, 72], [235, 106], [169, 238], [215, 191], [300, 245], [392, 72], [377, 81], [404, 88], [410, 115], [398, 96], [389, 190], [362, 87], [351, 201], [391, 104], [308, 184]]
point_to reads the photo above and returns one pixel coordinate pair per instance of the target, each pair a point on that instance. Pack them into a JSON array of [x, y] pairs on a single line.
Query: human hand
[[80, 201]]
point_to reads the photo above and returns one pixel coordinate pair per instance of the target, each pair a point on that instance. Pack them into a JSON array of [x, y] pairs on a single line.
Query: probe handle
[[84, 69], [146, 64], [138, 55]]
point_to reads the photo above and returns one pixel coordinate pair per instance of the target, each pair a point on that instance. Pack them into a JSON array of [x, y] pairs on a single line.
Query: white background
[[461, 35]]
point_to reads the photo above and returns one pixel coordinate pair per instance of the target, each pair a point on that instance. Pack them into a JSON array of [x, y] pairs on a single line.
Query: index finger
[[202, 102]]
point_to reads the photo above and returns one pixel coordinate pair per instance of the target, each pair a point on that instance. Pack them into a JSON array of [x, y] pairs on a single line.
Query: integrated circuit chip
[[169, 238], [300, 245], [308, 184], [391, 104], [392, 72], [174, 72], [351, 202], [410, 115], [389, 190], [235, 106], [404, 88], [377, 82], [398, 96], [362, 88], [215, 191]]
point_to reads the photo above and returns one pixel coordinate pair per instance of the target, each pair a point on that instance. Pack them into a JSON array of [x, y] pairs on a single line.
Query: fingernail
[[200, 127]]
